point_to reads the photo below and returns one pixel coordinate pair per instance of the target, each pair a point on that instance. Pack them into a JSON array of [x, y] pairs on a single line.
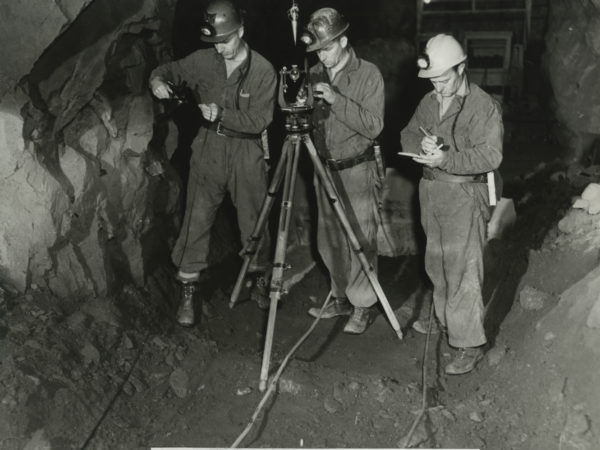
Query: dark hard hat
[[324, 26], [221, 20]]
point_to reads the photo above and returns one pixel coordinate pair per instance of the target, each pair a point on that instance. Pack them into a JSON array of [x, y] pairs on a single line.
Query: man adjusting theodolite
[[346, 176]]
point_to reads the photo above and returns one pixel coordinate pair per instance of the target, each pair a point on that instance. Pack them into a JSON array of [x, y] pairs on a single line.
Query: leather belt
[[451, 178], [218, 128], [347, 163]]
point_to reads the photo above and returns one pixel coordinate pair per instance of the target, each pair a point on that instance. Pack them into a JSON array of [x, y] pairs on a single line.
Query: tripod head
[[295, 82]]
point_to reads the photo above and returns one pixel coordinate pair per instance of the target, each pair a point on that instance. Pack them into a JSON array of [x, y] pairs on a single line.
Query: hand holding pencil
[[433, 150]]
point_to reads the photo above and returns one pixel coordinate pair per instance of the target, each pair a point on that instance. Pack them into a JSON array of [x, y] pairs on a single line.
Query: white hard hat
[[441, 53]]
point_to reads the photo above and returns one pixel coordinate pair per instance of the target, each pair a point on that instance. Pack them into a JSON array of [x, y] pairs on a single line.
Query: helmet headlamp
[[307, 38], [207, 30], [423, 61]]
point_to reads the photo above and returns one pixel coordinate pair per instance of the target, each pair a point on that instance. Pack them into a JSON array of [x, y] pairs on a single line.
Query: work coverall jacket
[[343, 131], [220, 163], [455, 209]]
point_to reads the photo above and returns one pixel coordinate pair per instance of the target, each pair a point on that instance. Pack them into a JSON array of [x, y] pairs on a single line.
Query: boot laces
[[360, 313], [188, 290]]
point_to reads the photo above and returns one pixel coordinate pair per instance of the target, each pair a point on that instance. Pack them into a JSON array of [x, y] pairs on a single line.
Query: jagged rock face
[[573, 63], [22, 45], [82, 180]]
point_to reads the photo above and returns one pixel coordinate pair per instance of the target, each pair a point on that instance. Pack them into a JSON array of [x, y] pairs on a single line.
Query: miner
[[347, 118], [235, 90], [456, 134]]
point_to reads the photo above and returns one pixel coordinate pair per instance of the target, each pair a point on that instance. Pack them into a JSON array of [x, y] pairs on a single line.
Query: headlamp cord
[[243, 78], [462, 106]]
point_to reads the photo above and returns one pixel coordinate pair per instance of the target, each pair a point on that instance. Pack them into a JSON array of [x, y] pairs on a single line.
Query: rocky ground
[[117, 373]]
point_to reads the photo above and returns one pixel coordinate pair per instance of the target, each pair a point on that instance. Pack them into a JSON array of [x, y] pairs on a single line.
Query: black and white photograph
[[299, 224]]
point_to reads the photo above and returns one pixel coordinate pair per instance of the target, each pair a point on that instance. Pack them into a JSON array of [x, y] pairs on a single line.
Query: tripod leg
[[254, 240], [337, 206], [276, 291]]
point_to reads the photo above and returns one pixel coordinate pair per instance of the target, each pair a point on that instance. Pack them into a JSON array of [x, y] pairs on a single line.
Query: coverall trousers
[[358, 190], [214, 171], [454, 217]]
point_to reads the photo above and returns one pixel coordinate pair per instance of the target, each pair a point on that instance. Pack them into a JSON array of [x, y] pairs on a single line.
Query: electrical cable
[[275, 378], [426, 351], [114, 398], [423, 381]]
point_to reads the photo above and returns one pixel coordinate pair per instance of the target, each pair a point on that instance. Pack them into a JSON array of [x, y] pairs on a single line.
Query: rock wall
[[27, 29], [568, 335], [83, 184], [572, 60]]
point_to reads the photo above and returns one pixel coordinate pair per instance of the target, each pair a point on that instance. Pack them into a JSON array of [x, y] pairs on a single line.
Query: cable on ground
[[426, 351], [275, 379], [423, 381]]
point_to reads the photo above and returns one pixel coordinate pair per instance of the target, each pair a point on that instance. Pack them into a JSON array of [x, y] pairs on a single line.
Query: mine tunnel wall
[[572, 63], [84, 184]]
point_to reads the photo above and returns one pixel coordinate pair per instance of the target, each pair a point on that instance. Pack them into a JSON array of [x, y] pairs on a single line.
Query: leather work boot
[[260, 292], [185, 313], [338, 306], [359, 321], [465, 360]]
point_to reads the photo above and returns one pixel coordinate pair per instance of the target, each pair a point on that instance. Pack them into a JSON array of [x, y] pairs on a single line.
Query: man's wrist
[[445, 161]]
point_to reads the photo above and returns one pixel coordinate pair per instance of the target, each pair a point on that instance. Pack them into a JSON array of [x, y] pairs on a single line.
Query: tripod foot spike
[[399, 334], [262, 386]]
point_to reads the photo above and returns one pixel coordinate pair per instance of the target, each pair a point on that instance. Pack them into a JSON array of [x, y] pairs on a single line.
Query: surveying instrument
[[298, 125]]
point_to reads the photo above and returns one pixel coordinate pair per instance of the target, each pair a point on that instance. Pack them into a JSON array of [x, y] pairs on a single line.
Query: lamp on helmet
[[423, 61], [324, 25], [221, 20], [442, 52]]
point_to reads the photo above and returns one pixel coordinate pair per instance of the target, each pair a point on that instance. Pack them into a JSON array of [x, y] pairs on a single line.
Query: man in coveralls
[[347, 118], [460, 141], [236, 90]]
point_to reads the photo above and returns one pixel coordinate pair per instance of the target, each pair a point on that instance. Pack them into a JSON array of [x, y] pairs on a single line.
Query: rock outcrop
[[78, 202]]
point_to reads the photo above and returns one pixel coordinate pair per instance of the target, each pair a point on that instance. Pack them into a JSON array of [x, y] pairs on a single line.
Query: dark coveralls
[[221, 163], [345, 132], [455, 207]]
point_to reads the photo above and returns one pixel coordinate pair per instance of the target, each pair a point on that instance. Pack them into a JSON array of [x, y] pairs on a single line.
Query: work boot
[[358, 322], [260, 291], [338, 306], [185, 313], [465, 360]]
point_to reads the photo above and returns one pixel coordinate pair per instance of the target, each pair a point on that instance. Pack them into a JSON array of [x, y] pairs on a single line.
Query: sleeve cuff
[[340, 103]]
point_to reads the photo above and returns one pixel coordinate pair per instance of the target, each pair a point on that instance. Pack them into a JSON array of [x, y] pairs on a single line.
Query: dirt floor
[[118, 373]]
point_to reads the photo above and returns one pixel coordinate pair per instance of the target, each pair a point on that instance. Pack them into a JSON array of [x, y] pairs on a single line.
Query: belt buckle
[[219, 129]]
